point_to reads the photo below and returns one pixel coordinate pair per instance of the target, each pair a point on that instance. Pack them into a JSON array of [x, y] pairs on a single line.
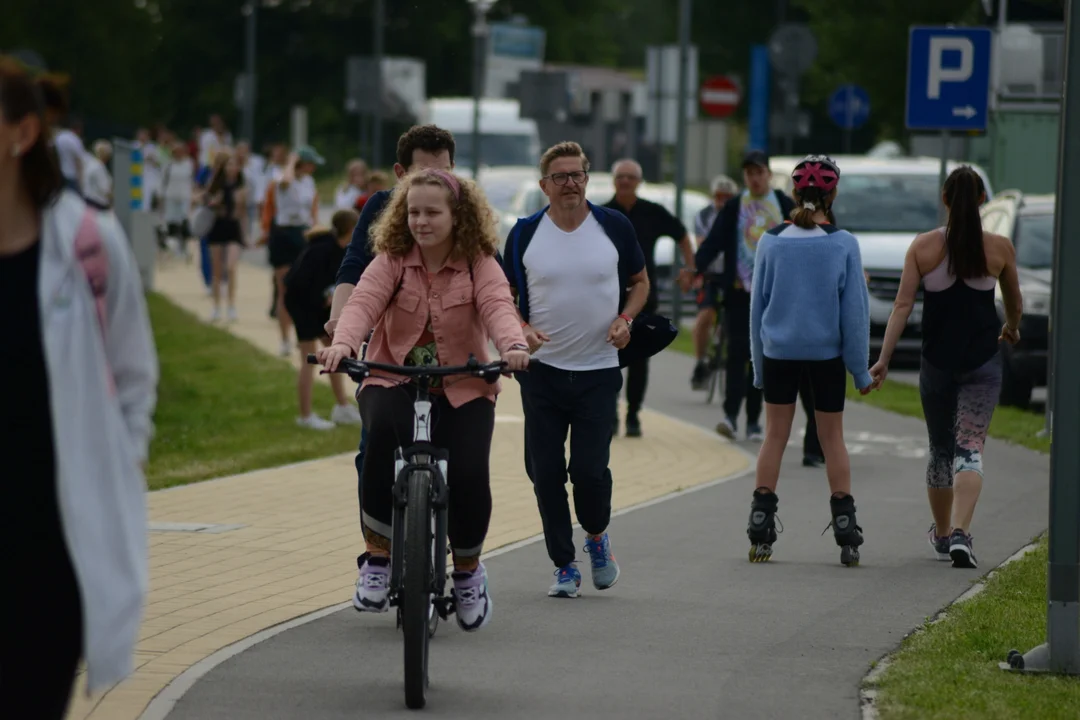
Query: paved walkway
[[692, 630], [280, 543]]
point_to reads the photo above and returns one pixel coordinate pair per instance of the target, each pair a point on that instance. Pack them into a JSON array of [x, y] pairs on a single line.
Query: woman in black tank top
[[960, 377], [228, 196]]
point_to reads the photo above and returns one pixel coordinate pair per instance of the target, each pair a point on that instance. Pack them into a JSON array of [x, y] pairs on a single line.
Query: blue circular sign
[[849, 107]]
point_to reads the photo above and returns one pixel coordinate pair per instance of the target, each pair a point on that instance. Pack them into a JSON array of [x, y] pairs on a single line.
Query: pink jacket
[[464, 314]]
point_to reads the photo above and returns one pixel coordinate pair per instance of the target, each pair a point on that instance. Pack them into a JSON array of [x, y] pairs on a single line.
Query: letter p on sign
[[939, 74]]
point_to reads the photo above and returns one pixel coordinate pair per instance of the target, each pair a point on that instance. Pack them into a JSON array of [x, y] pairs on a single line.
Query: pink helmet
[[818, 171]]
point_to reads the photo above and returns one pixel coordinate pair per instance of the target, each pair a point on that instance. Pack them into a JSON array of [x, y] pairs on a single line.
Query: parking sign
[[948, 84]]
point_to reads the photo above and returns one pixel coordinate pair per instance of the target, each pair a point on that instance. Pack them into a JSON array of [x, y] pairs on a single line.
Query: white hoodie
[[102, 391]]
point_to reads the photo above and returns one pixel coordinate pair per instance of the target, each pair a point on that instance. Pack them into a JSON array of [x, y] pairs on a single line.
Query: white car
[[531, 199], [885, 202]]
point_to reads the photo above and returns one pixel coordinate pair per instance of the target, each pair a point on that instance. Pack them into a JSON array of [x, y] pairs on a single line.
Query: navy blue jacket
[[358, 254], [615, 224], [723, 237]]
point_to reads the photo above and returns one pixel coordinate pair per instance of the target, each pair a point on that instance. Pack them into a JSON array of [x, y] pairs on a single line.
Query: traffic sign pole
[[1061, 652], [943, 212], [680, 144]]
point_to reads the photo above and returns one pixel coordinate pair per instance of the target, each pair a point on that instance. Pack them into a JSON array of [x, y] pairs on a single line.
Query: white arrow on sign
[[965, 112], [719, 97]]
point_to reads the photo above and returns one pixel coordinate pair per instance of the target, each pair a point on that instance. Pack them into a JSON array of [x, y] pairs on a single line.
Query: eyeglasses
[[578, 176]]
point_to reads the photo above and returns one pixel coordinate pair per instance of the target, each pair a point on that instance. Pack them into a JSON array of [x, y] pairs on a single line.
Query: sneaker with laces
[[567, 582], [373, 584], [960, 550], [345, 415], [754, 432], [605, 571], [940, 543], [472, 602], [314, 422]]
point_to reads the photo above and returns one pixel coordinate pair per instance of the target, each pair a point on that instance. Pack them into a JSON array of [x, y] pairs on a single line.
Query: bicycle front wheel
[[416, 595]]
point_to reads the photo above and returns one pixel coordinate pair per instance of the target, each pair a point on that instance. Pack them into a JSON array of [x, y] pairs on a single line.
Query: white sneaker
[[314, 422], [284, 349], [345, 415], [233, 317], [215, 315]]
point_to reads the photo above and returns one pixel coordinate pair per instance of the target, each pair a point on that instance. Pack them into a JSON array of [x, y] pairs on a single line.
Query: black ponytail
[[964, 234]]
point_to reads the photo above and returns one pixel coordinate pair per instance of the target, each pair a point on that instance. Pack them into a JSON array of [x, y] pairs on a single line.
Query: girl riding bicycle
[[434, 295]]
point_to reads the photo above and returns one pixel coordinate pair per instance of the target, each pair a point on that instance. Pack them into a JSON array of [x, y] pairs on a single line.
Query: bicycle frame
[[424, 457]]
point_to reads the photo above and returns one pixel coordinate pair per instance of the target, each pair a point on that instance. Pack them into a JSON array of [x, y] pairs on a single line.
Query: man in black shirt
[[651, 222]]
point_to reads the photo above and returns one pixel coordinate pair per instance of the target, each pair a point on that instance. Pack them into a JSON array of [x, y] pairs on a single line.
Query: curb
[[868, 686]]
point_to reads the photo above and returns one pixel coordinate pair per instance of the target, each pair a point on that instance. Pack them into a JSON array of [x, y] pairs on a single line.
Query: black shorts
[[286, 244], [710, 295], [828, 379], [309, 322]]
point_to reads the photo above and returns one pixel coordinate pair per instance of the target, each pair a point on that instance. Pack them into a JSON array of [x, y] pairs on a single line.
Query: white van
[[506, 139], [884, 202]]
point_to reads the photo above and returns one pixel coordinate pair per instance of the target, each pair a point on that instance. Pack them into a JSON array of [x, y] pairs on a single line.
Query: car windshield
[[495, 150], [887, 203], [1034, 241]]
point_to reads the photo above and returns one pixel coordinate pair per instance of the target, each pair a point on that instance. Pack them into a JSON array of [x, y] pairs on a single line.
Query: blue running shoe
[[605, 571], [567, 582]]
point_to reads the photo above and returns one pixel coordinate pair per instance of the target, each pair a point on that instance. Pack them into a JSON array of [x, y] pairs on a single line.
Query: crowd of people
[[416, 278]]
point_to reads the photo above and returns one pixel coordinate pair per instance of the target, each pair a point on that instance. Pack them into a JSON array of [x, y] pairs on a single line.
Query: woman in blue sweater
[[809, 312]]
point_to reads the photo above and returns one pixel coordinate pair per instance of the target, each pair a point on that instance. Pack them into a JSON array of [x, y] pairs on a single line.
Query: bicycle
[[716, 362], [417, 553]]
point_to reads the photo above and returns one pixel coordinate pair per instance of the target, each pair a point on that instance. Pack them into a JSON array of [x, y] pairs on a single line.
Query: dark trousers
[[637, 372], [740, 374], [464, 432], [556, 403]]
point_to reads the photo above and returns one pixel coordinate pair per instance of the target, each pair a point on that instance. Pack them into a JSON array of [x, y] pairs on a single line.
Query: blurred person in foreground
[[79, 378]]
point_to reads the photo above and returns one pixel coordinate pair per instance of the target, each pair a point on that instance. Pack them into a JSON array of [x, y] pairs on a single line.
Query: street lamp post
[[250, 11], [480, 34], [378, 34], [680, 142], [1061, 651]]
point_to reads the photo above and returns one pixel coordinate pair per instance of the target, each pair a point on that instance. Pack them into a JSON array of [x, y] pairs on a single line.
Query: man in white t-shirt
[[97, 183], [571, 265], [214, 138]]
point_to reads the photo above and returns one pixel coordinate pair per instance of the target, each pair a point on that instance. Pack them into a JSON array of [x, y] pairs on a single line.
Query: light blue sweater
[[809, 301]]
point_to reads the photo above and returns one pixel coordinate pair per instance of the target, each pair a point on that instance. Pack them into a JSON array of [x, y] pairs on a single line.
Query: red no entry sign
[[719, 96]]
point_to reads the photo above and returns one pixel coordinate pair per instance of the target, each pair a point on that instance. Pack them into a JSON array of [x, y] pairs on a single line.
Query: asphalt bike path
[[692, 629]]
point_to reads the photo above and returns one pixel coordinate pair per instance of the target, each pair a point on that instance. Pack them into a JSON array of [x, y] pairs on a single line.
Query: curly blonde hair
[[475, 223]]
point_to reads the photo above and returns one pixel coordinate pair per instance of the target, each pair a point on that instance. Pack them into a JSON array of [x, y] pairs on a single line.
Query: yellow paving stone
[[295, 552]]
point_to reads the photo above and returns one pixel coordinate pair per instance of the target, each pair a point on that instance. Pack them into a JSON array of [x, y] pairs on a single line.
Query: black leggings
[[465, 432]]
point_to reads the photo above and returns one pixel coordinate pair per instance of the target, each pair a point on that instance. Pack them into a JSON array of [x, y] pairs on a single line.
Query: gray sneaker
[[960, 550], [567, 582], [472, 603], [940, 543], [605, 571], [726, 427]]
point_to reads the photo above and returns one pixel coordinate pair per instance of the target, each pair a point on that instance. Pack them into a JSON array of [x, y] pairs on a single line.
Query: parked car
[[885, 202], [531, 199], [1027, 220]]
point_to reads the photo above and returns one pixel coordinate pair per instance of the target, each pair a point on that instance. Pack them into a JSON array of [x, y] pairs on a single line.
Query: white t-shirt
[[96, 181], [573, 284], [69, 150], [294, 203], [346, 196], [179, 180], [210, 141]]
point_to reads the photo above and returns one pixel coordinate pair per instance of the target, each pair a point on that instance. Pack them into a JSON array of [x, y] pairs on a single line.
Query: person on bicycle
[[809, 315], [434, 294], [710, 291]]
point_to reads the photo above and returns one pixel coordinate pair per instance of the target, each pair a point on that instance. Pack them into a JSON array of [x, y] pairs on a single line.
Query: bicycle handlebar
[[360, 369]]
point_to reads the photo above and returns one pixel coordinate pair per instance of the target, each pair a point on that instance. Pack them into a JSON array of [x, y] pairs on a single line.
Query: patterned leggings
[[958, 408]]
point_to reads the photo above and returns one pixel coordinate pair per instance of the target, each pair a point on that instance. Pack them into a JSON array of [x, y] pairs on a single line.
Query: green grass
[[226, 407], [949, 670], [1010, 424]]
